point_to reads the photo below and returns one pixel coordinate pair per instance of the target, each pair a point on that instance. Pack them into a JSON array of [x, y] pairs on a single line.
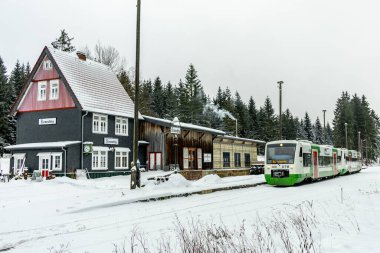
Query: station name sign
[[111, 141], [175, 130], [47, 121]]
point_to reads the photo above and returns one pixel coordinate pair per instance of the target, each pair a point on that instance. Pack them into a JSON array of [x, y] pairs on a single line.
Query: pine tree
[[301, 134], [252, 114], [308, 127], [267, 122], [158, 98], [63, 42], [170, 102], [242, 116], [318, 132], [127, 83], [343, 114], [17, 77], [7, 95], [289, 129], [145, 101], [195, 95]]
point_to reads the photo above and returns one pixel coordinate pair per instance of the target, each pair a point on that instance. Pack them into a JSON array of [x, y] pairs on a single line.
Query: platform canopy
[[43, 145]]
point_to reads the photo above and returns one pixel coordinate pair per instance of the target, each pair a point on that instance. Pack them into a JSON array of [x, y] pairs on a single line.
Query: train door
[[335, 165], [315, 164]]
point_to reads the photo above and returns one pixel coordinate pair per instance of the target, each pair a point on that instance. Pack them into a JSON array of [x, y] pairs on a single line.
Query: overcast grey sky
[[317, 47]]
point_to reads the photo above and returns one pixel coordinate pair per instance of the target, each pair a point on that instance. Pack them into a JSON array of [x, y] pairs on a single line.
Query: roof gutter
[[65, 169]]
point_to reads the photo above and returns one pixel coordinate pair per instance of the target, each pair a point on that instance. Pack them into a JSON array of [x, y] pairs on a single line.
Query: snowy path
[[35, 217]]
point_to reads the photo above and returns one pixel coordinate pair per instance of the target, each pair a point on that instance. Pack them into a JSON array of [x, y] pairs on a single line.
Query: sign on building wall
[[207, 157], [111, 141], [175, 130], [47, 121]]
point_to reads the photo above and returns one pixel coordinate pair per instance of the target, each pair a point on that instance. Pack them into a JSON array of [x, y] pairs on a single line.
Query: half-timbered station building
[[189, 149], [193, 147], [72, 113]]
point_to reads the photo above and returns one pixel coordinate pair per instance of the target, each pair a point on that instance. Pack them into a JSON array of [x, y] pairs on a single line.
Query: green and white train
[[289, 162]]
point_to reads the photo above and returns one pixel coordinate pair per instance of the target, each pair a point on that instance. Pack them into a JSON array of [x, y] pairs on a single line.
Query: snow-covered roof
[[43, 145], [230, 137], [94, 84], [168, 123]]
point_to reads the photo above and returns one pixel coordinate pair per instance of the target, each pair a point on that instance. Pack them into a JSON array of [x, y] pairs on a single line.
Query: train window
[[300, 151], [306, 160]]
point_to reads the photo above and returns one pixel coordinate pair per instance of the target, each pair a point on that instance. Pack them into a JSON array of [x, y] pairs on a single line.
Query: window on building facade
[[19, 161], [247, 160], [121, 159], [54, 89], [99, 123], [44, 161], [226, 159], [99, 158], [41, 96], [121, 126], [57, 161], [47, 65], [237, 160]]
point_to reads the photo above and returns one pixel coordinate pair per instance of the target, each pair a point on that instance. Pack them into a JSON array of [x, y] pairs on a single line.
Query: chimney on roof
[[82, 56]]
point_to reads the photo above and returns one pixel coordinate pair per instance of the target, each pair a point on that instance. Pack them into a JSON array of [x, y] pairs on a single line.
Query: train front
[[281, 162]]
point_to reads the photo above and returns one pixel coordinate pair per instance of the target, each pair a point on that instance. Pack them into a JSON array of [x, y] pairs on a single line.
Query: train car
[[289, 162], [354, 161]]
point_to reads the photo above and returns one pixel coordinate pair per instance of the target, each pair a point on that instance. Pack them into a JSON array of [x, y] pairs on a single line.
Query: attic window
[[41, 96], [54, 89], [47, 65]]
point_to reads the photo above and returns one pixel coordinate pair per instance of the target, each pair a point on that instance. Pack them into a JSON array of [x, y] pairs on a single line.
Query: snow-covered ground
[[92, 215]]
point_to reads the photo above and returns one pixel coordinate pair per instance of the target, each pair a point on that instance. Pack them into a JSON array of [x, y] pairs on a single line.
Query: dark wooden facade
[[192, 145]]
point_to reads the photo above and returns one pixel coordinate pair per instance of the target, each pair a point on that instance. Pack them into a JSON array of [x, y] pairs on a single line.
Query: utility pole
[[135, 174], [345, 127], [359, 144], [324, 126], [280, 88]]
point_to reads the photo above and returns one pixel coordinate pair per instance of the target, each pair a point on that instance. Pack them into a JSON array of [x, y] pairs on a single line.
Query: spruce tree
[[252, 114], [329, 135], [63, 42], [195, 95], [127, 83], [308, 127], [267, 122], [289, 129], [158, 98], [170, 102], [242, 116], [318, 132]]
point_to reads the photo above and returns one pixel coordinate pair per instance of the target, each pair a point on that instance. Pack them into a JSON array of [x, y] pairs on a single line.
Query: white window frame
[[54, 157], [16, 158], [40, 89], [121, 125], [41, 157], [47, 65], [121, 151], [96, 154], [54, 82], [99, 124]]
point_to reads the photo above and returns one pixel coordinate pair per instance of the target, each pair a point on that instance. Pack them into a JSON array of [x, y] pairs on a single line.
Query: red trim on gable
[[54, 109]]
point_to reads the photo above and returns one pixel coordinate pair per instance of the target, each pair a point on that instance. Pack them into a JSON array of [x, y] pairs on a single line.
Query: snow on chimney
[[81, 55]]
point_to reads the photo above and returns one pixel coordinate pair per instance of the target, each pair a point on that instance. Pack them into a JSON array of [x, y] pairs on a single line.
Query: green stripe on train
[[285, 181]]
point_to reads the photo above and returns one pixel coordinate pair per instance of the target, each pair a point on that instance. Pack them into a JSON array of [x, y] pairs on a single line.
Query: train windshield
[[282, 153]]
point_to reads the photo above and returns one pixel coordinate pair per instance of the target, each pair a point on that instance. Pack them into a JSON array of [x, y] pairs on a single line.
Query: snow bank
[[208, 180]]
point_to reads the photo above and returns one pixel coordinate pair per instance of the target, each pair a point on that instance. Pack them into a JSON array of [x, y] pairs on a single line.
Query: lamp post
[[324, 126], [135, 174], [280, 89], [345, 127], [175, 129], [236, 127]]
